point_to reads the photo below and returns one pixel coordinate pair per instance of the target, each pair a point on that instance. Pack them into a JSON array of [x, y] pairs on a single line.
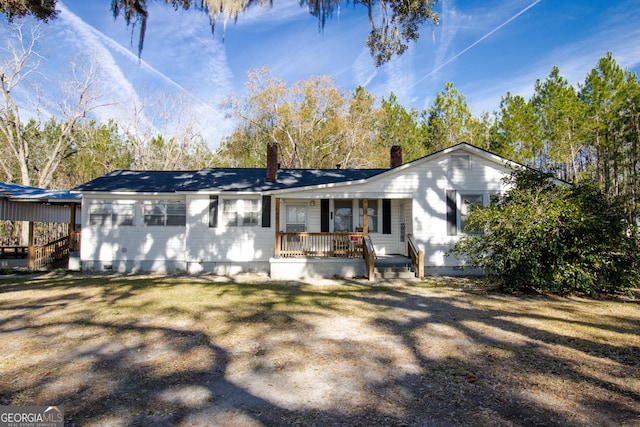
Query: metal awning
[[25, 203]]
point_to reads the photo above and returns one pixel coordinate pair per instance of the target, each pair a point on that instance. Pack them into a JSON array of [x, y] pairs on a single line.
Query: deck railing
[[416, 255], [48, 255], [345, 245], [13, 252]]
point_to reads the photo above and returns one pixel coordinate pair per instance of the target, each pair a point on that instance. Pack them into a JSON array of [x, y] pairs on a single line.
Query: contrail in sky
[[80, 25], [478, 41], [103, 48]]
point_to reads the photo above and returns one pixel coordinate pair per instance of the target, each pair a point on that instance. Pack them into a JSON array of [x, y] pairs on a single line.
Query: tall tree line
[[55, 142], [318, 124], [588, 132]]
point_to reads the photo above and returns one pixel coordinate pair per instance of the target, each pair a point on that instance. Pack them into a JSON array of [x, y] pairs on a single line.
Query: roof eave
[[123, 193]]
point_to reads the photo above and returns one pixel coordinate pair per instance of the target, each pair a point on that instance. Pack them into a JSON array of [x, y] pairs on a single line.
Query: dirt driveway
[[208, 351]]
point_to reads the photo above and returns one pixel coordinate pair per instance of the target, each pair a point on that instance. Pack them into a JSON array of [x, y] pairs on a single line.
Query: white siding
[[386, 244], [314, 217], [424, 183], [430, 208], [419, 186], [194, 247], [131, 247], [222, 243]]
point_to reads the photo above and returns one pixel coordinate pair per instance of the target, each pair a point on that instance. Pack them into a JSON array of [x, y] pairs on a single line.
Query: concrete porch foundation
[[320, 267]]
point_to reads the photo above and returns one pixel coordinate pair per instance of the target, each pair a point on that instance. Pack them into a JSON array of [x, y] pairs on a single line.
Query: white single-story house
[[290, 223]]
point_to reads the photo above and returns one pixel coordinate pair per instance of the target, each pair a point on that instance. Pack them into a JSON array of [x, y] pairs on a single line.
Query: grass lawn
[[155, 350]]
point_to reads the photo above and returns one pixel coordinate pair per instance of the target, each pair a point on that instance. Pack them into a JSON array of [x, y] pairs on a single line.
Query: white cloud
[[575, 60], [363, 71], [197, 68], [400, 76], [87, 39], [445, 34]]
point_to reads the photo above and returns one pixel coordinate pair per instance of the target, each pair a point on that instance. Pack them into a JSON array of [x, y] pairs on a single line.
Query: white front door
[[404, 223]]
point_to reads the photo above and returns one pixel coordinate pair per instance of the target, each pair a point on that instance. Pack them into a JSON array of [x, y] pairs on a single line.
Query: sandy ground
[[251, 354]]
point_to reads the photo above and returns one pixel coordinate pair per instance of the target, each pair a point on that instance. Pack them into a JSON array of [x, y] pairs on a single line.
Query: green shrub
[[551, 237]]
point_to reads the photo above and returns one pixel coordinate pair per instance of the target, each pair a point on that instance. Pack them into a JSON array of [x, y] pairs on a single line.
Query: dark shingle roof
[[137, 181], [219, 180]]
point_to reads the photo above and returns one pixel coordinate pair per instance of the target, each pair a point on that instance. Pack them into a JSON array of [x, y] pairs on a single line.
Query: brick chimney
[[272, 161], [395, 157]]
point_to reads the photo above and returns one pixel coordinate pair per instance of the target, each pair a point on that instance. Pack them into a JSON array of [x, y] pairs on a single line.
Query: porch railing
[[13, 252], [344, 245], [49, 255], [416, 255]]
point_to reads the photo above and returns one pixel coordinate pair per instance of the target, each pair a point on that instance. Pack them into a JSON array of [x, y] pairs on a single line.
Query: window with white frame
[[343, 216], [372, 214], [241, 212], [296, 218], [111, 213], [164, 213], [467, 203]]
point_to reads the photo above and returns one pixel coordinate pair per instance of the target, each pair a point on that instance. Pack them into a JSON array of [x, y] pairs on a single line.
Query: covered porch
[[340, 236], [51, 226]]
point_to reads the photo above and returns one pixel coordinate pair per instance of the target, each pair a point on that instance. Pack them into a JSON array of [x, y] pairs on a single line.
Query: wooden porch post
[[72, 227], [277, 227], [31, 255], [365, 216]]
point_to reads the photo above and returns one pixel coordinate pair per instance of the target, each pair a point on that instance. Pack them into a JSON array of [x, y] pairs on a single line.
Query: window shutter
[[266, 211], [386, 216], [452, 214], [324, 215], [213, 211]]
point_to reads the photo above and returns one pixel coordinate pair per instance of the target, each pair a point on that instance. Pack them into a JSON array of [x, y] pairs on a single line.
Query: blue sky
[[485, 48]]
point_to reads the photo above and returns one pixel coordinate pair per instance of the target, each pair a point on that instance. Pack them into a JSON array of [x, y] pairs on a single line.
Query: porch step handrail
[[44, 256], [416, 255], [369, 255]]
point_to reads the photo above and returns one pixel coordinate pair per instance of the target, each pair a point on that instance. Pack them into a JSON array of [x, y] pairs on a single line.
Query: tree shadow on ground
[[494, 342], [114, 351]]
